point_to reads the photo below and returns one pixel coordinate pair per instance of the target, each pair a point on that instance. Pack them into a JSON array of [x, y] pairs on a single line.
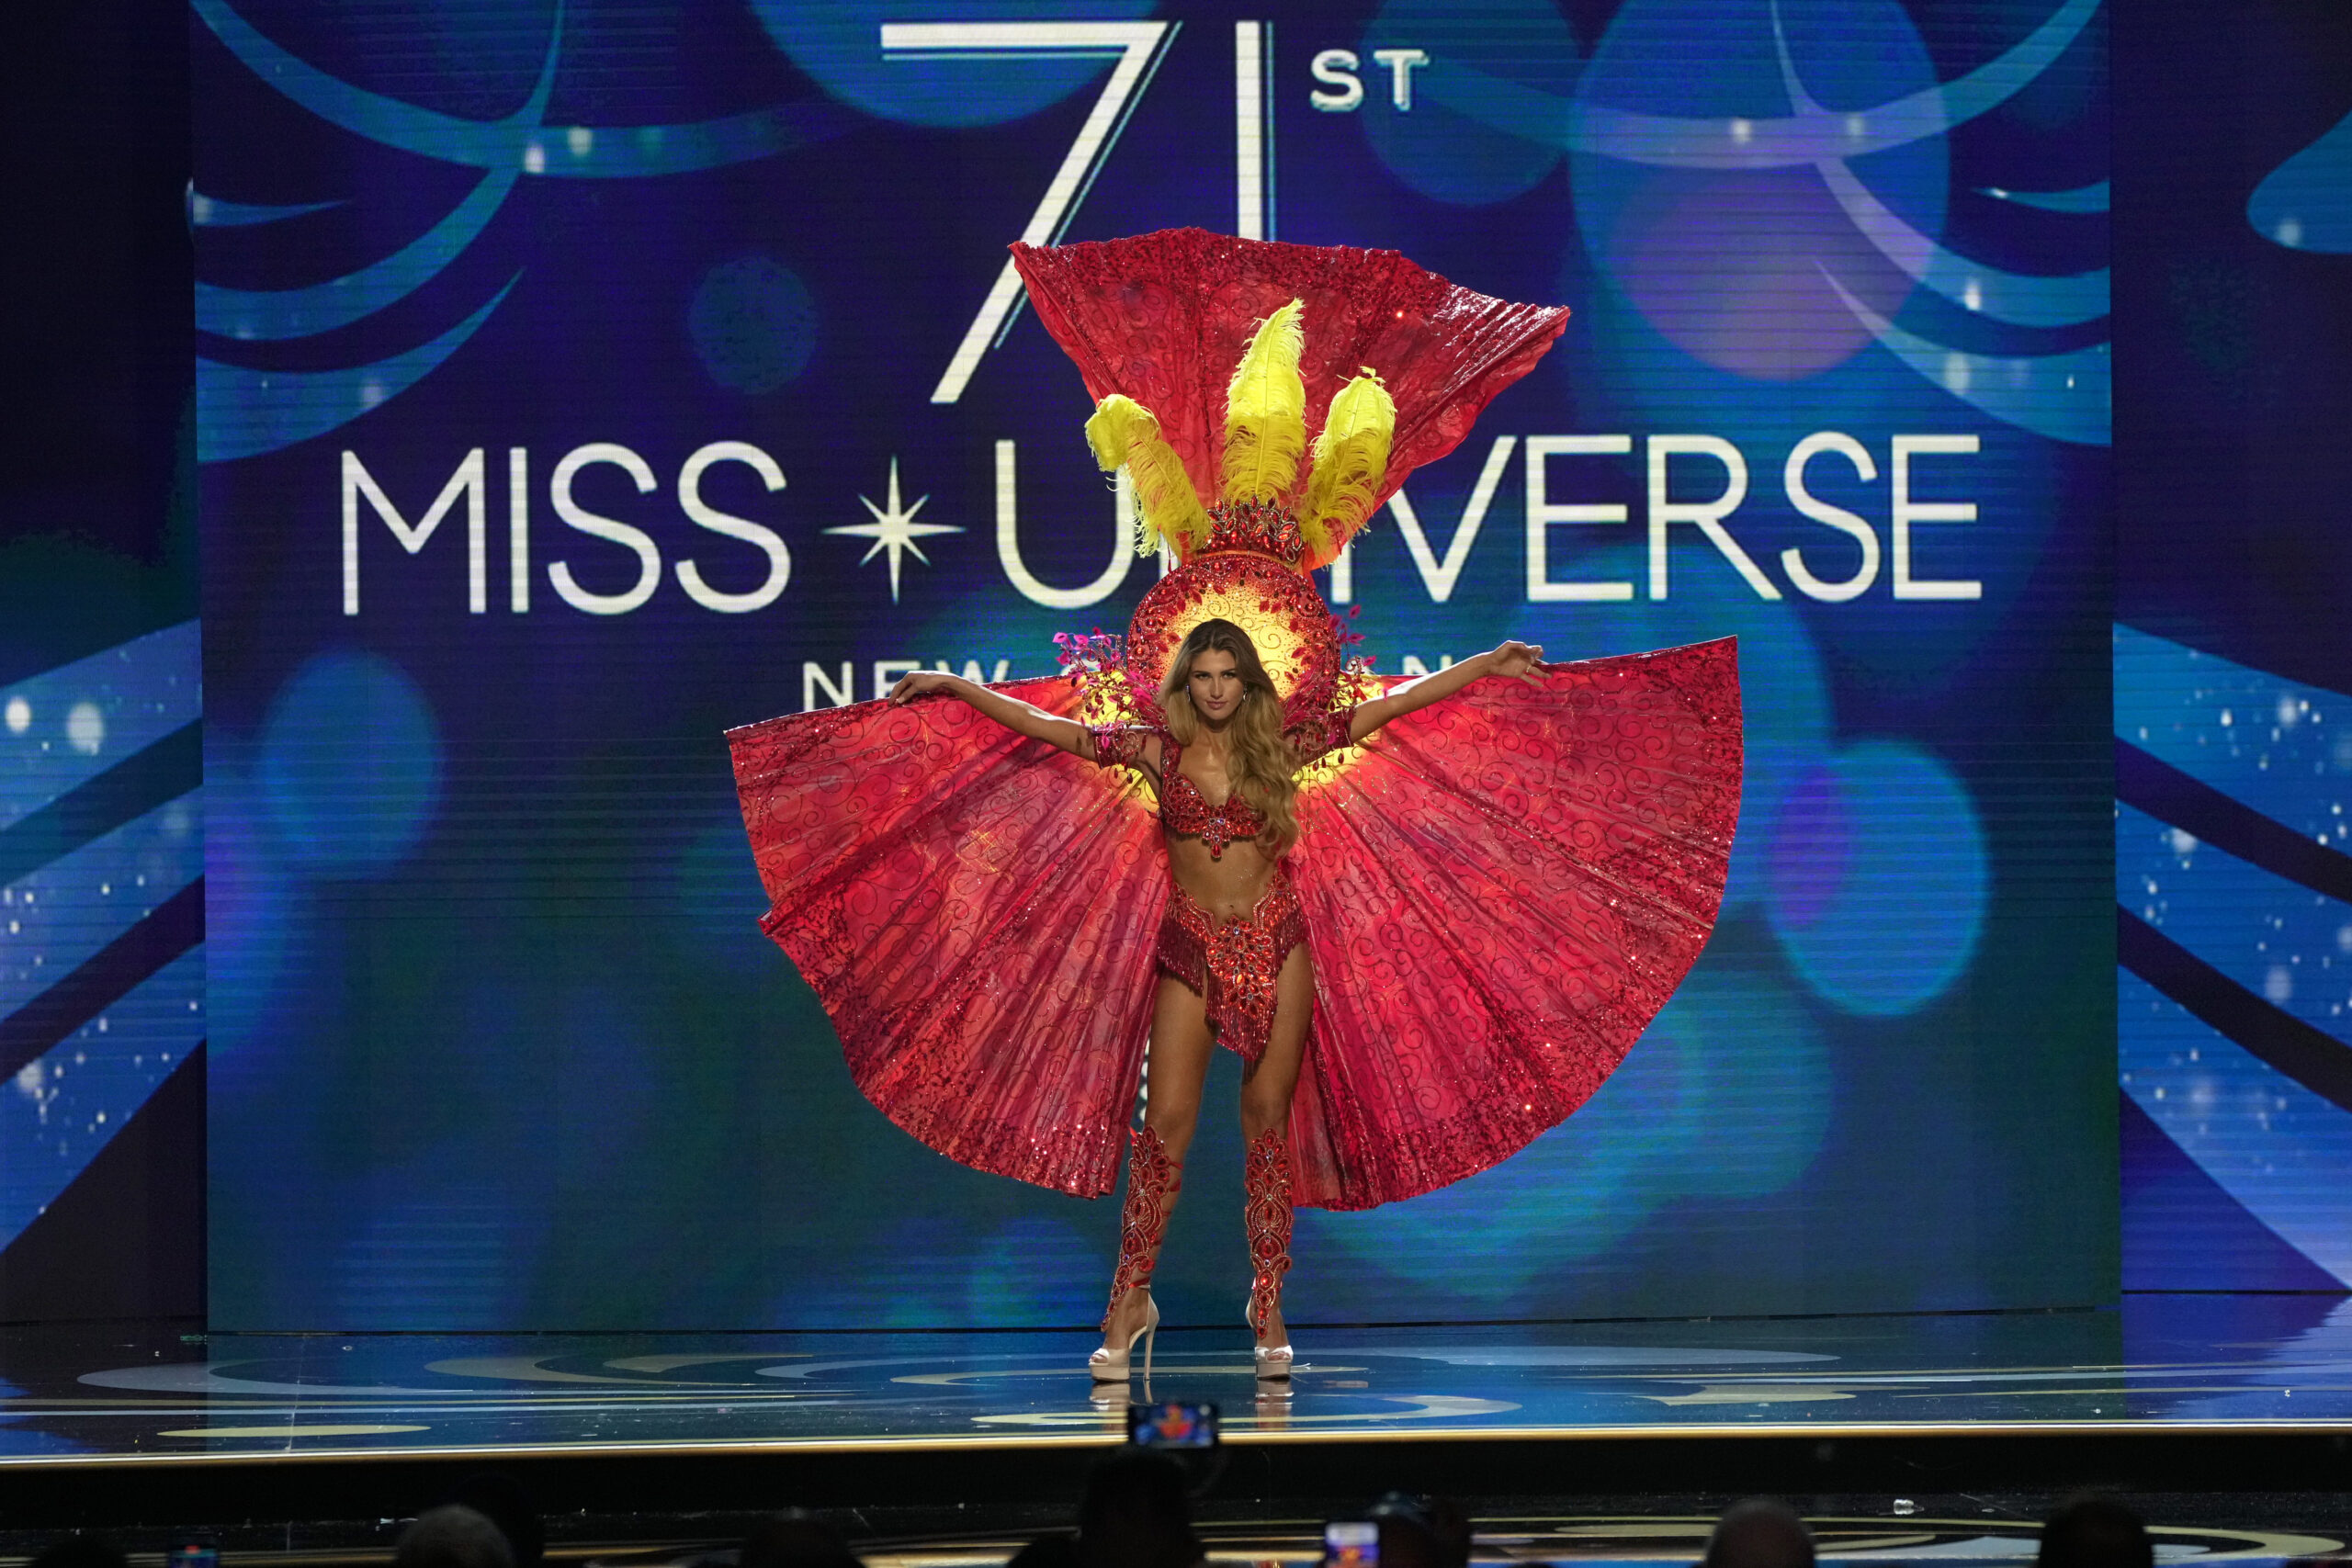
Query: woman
[[1224, 770], [1488, 902]]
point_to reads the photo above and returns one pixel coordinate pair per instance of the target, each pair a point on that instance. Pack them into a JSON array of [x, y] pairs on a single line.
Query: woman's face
[[1215, 685]]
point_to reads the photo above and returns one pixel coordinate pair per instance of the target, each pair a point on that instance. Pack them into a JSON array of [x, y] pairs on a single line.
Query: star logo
[[894, 528]]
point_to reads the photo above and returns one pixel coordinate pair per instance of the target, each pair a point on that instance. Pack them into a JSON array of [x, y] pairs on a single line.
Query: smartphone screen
[[193, 1552], [1351, 1543], [1173, 1424]]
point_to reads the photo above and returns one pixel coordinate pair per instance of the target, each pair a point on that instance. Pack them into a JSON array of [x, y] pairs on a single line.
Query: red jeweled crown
[[1265, 527]]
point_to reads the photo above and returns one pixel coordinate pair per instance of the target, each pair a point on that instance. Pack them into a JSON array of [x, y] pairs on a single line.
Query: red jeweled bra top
[[1184, 809]]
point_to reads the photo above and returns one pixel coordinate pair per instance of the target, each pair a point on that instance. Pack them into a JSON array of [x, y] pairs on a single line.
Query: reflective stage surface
[[1988, 1536], [75, 1397]]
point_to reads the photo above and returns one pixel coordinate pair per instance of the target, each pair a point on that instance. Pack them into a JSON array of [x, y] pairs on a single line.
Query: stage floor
[[84, 1395]]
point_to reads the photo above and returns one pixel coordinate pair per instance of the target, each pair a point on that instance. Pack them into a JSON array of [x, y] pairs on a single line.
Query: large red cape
[[1501, 890]]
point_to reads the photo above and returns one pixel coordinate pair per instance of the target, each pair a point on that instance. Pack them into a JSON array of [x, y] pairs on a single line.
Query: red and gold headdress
[[1212, 359], [1260, 502]]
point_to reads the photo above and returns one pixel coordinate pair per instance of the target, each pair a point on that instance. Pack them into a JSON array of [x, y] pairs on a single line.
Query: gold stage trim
[[942, 1443]]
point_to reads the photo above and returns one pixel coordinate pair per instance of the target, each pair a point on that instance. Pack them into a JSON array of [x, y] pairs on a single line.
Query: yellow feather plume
[[1265, 411], [1124, 434], [1351, 461]]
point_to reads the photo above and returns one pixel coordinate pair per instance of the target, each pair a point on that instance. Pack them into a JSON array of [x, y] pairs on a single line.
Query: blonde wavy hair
[[1261, 759]]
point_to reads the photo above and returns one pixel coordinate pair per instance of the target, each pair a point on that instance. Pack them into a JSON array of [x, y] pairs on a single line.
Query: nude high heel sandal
[[1266, 1211], [1107, 1365], [1151, 1178]]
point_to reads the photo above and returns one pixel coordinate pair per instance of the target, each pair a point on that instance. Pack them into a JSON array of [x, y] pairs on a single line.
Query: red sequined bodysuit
[[1496, 892]]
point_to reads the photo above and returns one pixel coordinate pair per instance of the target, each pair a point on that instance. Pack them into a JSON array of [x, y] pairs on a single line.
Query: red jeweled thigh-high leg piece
[[1266, 1210], [1152, 1180]]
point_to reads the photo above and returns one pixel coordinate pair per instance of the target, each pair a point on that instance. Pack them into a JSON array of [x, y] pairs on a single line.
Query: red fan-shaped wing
[[977, 911], [1501, 890]]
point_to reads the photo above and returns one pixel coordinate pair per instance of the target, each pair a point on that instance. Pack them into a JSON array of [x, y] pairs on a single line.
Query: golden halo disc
[[1274, 604]]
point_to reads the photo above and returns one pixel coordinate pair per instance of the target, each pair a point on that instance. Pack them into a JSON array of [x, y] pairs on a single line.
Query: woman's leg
[[1179, 1064], [1266, 1090]]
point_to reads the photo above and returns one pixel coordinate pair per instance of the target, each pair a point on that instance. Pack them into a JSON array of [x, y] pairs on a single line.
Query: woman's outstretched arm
[[1021, 717], [1516, 660]]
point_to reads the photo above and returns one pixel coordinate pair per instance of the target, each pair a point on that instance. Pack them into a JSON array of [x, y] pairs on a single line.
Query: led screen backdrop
[[578, 381], [2233, 654]]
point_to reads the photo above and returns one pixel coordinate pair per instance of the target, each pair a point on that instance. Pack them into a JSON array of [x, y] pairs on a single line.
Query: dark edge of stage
[[920, 1480]]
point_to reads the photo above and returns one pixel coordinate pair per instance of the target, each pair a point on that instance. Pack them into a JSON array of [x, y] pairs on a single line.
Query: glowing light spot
[[2290, 231], [752, 323], [1743, 131], [1956, 373], [1972, 294], [350, 765], [2279, 984], [580, 141], [1876, 811], [18, 714], [2181, 841], [534, 159], [86, 728]]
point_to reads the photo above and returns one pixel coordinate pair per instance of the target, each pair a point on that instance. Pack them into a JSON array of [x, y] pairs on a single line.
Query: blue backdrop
[[2232, 654], [577, 381]]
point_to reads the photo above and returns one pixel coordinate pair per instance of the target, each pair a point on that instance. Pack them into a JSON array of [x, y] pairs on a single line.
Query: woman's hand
[[1022, 718], [1518, 660], [921, 683]]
